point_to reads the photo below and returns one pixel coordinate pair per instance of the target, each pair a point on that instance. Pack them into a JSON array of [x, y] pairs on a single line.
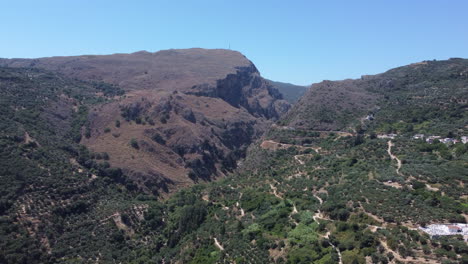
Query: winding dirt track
[[218, 245], [296, 157], [393, 157], [319, 215], [275, 193]]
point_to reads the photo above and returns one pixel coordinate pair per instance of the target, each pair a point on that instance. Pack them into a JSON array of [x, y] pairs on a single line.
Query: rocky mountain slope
[[185, 115]]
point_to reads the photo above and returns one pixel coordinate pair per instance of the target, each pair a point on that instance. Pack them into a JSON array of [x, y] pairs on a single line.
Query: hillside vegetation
[[321, 186], [412, 94]]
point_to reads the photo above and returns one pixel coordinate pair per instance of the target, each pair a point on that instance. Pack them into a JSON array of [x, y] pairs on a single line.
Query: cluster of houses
[[430, 139], [437, 230]]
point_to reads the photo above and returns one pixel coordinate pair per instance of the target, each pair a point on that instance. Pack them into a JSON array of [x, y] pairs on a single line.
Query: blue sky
[[292, 41]]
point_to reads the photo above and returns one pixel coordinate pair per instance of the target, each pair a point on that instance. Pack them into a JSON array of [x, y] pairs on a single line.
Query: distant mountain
[[291, 92]]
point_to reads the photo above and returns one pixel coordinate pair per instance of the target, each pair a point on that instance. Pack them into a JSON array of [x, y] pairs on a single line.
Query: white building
[[390, 136], [464, 139], [447, 230], [448, 140]]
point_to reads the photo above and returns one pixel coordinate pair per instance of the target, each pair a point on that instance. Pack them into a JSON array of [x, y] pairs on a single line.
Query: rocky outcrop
[[246, 88]]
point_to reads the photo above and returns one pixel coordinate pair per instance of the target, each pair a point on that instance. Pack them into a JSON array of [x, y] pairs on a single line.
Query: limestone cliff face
[[246, 88]]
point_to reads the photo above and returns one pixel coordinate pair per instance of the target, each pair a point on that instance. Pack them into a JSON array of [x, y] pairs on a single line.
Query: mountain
[[327, 182], [416, 91], [224, 74], [290, 92], [183, 116]]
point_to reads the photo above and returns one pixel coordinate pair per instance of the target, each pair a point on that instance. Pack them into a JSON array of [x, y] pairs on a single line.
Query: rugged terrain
[[327, 183], [185, 115]]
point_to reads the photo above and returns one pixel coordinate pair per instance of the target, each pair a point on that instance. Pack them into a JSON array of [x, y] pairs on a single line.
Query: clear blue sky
[[293, 41]]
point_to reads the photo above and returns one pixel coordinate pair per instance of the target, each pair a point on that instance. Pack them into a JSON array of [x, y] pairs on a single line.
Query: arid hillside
[[226, 74], [163, 70], [185, 115]]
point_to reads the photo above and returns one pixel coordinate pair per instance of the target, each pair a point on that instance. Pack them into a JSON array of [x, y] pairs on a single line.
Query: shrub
[[134, 143], [158, 138]]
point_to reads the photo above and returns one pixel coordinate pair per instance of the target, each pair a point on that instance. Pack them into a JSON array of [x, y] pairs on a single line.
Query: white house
[[436, 230], [464, 139], [447, 140], [390, 136]]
